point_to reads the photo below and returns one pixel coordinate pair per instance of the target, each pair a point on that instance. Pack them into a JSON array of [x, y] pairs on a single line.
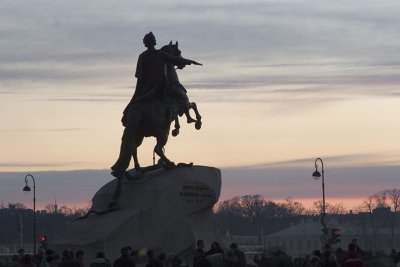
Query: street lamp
[[316, 175], [26, 190]]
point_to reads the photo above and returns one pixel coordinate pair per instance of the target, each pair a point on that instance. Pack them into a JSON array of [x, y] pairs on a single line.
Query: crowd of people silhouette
[[215, 256]]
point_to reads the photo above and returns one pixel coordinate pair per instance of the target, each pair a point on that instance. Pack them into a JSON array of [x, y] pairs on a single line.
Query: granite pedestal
[[166, 211]]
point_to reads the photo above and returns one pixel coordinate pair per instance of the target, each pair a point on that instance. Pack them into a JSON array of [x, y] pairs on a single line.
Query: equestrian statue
[[158, 100]]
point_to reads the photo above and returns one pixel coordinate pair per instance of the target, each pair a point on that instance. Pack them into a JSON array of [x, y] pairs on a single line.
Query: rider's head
[[149, 40]]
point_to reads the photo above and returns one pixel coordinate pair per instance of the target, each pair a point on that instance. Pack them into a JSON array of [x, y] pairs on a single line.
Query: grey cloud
[[44, 129], [271, 181], [66, 129], [356, 160], [67, 186], [85, 100], [299, 91], [322, 63], [63, 75], [281, 182], [116, 94], [86, 58], [326, 45], [36, 164]]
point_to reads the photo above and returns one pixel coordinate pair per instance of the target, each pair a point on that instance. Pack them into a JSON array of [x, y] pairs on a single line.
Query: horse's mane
[[166, 48]]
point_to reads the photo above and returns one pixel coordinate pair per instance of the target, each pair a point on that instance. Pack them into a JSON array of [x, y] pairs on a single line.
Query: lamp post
[[316, 175], [27, 189]]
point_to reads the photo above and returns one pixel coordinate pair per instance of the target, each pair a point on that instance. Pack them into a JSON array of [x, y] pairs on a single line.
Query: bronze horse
[[176, 93], [153, 117]]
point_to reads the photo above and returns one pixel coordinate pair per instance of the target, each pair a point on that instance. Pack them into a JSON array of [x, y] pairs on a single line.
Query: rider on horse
[[151, 73], [152, 84]]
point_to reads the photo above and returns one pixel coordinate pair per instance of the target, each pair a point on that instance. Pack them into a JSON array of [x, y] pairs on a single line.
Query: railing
[[246, 240], [12, 249], [252, 250]]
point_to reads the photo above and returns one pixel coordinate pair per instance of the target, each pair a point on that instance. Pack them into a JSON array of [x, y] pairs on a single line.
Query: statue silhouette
[[158, 100]]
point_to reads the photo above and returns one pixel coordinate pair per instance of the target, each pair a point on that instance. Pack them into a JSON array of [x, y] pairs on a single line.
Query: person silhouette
[[150, 72]]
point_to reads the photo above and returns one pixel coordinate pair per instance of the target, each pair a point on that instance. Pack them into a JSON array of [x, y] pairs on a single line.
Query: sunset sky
[[282, 82]]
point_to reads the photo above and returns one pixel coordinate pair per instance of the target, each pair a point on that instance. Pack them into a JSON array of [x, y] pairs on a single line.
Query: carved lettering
[[195, 193]]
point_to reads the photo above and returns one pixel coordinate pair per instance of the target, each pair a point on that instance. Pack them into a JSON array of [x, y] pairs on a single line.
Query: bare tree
[[274, 210], [255, 207], [369, 204], [294, 208], [230, 207], [393, 200], [381, 199], [393, 196], [81, 211], [67, 211], [50, 208], [336, 208], [252, 206], [377, 200]]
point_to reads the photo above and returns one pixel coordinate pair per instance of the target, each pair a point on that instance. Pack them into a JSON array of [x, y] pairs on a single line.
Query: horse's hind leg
[[138, 170], [158, 149], [135, 158], [127, 144], [138, 142]]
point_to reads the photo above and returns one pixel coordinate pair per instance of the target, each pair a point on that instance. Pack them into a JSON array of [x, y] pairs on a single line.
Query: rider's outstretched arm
[[178, 60], [196, 63]]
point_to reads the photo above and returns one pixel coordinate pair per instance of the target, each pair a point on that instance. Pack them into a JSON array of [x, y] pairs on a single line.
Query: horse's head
[[173, 50]]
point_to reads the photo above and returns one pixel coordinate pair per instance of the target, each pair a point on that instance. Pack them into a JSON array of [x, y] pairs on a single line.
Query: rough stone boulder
[[163, 211]]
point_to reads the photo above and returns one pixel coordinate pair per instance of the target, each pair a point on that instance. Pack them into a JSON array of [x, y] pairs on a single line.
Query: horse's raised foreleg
[[189, 118], [177, 126], [193, 106], [198, 116]]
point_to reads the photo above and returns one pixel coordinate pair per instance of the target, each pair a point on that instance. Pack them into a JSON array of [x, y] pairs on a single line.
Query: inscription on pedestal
[[195, 193]]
